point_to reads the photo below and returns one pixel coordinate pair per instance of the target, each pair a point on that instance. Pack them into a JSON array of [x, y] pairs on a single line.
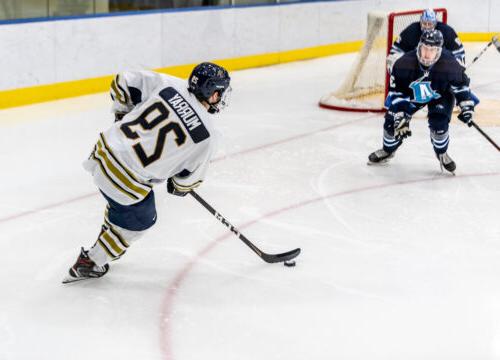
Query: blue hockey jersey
[[412, 86]]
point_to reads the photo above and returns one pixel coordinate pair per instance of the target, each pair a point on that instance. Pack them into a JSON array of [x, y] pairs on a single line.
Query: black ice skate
[[379, 157], [445, 161], [84, 269]]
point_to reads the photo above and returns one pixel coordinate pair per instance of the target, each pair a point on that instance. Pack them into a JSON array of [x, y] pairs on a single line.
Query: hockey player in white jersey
[[163, 131]]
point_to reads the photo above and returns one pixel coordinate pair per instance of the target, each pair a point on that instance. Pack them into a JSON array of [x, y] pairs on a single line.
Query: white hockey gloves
[[401, 125], [466, 112]]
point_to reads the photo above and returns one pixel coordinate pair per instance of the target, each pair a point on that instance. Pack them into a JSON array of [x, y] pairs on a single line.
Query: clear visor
[[427, 54], [226, 98], [223, 101]]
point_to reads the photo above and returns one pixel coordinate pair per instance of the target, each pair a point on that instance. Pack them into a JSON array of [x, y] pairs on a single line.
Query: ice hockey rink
[[398, 261]]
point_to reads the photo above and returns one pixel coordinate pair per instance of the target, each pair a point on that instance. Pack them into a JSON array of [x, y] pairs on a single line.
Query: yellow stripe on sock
[[115, 233], [105, 248], [112, 243]]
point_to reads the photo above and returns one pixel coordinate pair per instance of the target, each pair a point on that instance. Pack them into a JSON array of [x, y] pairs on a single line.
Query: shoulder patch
[[190, 119]]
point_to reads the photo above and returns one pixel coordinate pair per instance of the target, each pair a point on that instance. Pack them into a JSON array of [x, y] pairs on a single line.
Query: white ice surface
[[398, 262]]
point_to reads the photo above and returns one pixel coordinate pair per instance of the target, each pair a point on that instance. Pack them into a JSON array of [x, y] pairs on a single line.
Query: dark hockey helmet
[[430, 47], [206, 79], [428, 20]]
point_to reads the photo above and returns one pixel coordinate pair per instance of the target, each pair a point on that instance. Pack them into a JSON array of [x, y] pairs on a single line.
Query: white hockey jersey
[[166, 133]]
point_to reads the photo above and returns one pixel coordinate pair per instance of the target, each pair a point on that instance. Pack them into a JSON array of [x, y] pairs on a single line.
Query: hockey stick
[[485, 135], [269, 258], [495, 41]]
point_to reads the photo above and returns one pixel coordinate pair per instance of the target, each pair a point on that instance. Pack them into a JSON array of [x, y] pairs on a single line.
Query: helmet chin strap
[[212, 109], [222, 102]]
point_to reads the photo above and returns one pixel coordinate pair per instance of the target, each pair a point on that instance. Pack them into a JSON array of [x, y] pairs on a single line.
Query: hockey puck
[[290, 263]]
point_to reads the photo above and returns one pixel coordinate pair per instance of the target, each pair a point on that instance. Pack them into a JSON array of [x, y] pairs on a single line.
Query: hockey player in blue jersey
[[410, 37], [428, 76]]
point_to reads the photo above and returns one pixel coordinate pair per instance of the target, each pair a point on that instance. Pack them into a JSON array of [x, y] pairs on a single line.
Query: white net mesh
[[364, 88]]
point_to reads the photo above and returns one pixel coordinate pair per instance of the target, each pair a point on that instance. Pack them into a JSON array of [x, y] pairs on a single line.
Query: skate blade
[[447, 171], [381, 162], [70, 279]]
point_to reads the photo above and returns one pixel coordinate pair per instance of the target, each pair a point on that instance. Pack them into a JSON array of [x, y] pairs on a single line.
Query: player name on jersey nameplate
[[196, 129]]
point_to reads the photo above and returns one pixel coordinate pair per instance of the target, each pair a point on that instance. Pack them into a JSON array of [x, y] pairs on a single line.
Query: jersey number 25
[[147, 122]]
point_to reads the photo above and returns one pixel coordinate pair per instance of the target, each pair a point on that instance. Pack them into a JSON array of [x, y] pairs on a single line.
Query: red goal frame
[[390, 31], [390, 39]]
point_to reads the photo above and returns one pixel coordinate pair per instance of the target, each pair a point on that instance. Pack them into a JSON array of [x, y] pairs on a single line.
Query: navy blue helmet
[[432, 38], [207, 78]]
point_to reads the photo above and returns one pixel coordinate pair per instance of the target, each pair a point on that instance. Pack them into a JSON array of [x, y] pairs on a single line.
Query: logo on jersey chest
[[422, 92]]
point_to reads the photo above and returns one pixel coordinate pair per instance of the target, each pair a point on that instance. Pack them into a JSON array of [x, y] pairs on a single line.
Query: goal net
[[366, 85]]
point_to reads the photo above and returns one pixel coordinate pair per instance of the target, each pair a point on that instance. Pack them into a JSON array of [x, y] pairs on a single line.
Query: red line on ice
[[231, 155], [168, 302]]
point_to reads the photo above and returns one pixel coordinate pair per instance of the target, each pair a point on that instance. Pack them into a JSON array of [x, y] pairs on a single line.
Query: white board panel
[[27, 55], [467, 15], [190, 37], [256, 30], [342, 21], [47, 52], [494, 18], [299, 26], [101, 46]]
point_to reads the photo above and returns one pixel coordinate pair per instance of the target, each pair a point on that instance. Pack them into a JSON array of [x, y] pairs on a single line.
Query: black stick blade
[[275, 258]]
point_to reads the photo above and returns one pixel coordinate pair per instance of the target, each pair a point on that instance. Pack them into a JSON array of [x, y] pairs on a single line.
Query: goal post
[[365, 87]]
